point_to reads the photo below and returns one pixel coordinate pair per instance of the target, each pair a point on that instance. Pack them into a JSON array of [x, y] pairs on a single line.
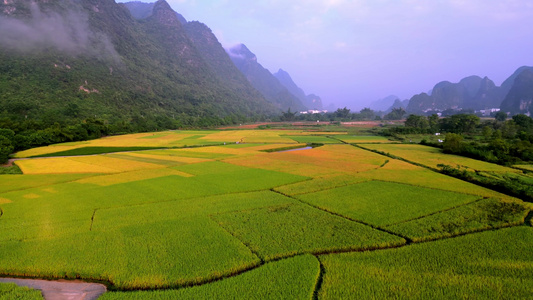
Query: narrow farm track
[[319, 280], [61, 289]]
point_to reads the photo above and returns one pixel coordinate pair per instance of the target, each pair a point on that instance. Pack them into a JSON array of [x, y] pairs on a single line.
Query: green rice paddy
[[234, 222]]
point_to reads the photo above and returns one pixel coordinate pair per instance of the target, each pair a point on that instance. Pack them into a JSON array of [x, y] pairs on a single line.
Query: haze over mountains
[[515, 96], [96, 58], [144, 62]]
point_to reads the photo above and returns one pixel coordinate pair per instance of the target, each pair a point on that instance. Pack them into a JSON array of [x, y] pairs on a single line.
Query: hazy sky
[[352, 52]]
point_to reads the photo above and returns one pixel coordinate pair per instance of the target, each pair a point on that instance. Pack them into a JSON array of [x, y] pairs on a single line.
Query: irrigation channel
[[62, 289]]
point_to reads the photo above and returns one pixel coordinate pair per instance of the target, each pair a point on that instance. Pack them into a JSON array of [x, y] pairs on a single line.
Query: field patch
[[313, 139], [317, 162], [480, 215], [362, 139], [292, 278], [489, 265], [92, 151], [431, 157], [382, 203], [290, 229]]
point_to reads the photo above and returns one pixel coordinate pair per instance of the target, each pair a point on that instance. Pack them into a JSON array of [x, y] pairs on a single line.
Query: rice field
[[229, 220]]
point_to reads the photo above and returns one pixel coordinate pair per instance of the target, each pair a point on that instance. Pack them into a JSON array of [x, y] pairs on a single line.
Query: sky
[[353, 52]]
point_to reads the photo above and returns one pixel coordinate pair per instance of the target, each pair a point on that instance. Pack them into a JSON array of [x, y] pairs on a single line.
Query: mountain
[[310, 101], [398, 104], [268, 85], [69, 60], [472, 92], [140, 10], [314, 102], [519, 99], [383, 104]]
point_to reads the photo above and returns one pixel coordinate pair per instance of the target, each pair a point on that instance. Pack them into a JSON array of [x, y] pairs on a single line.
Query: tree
[[433, 121], [288, 115], [500, 116], [416, 121], [6, 148], [342, 113], [395, 114], [367, 114], [453, 143]]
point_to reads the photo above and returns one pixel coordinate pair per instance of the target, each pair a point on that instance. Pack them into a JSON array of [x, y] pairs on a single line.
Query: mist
[[68, 33]]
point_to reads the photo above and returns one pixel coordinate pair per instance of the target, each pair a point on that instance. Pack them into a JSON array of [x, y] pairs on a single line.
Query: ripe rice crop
[[251, 136], [60, 165], [292, 278], [285, 230], [313, 139], [321, 161], [431, 157], [480, 215], [524, 167], [362, 139], [381, 203], [489, 265], [402, 172]]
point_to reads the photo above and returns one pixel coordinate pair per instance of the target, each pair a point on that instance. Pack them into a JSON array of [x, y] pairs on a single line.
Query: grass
[[489, 265], [292, 278], [9, 291], [382, 203], [11, 170]]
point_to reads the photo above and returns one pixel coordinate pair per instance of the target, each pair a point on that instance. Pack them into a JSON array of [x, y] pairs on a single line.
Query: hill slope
[[263, 80], [69, 60]]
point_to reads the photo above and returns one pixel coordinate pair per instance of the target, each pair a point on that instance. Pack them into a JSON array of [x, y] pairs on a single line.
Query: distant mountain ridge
[[266, 83], [310, 101], [69, 60], [476, 93]]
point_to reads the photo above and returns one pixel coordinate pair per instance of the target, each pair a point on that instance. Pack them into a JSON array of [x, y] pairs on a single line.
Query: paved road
[[62, 289]]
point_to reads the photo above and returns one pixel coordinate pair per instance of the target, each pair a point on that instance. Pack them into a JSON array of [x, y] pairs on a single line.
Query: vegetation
[[223, 220], [489, 265], [264, 282], [379, 203], [10, 291]]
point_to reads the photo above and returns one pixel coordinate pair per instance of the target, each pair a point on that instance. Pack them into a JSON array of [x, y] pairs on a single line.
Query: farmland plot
[[235, 222], [383, 203], [488, 265]]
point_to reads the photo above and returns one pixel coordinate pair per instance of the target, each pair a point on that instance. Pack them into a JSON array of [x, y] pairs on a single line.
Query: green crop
[[9, 291], [488, 265], [285, 230], [292, 278], [480, 215], [382, 203]]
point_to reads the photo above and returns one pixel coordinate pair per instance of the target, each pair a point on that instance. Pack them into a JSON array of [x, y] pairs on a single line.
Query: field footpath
[[61, 289]]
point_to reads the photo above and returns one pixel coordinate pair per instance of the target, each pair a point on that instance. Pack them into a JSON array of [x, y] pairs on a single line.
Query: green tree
[[395, 114], [453, 143], [500, 116], [416, 121]]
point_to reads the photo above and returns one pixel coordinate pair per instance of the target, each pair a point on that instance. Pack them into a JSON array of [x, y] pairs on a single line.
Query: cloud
[[68, 33]]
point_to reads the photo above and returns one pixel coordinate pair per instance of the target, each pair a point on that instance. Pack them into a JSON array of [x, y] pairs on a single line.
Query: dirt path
[[62, 289], [9, 163]]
